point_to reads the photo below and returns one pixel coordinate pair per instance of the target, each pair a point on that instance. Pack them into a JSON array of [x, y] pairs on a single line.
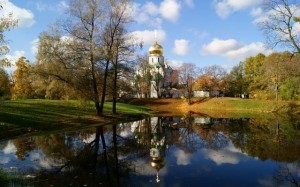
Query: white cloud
[[197, 33], [251, 49], [256, 12], [190, 3], [34, 46], [153, 15], [147, 14], [226, 7], [175, 64], [234, 50], [16, 55], [151, 8], [148, 36], [13, 59], [170, 9], [182, 157], [181, 47], [219, 47], [42, 6], [25, 17]]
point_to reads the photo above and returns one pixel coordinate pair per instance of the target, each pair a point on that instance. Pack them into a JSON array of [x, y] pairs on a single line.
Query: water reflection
[[163, 151]]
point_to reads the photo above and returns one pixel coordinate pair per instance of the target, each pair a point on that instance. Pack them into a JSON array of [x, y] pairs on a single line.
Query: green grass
[[27, 116], [249, 107], [245, 104]]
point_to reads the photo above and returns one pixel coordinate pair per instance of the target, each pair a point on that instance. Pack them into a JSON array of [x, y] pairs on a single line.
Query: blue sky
[[203, 32]]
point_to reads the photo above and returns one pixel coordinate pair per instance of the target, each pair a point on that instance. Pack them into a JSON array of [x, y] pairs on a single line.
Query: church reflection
[[152, 150], [151, 132]]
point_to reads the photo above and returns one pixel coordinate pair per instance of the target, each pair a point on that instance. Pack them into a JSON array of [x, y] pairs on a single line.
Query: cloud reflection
[[4, 160], [228, 155], [144, 168], [10, 148], [182, 157]]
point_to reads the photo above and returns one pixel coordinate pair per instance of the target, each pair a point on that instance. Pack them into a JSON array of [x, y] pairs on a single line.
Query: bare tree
[[187, 74], [279, 24], [6, 23], [82, 50], [118, 45], [212, 78], [143, 77]]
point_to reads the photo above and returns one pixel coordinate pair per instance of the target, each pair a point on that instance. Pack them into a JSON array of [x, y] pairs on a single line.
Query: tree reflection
[[288, 174], [127, 152]]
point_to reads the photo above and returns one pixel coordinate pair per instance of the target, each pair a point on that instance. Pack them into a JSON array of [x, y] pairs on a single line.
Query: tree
[[236, 80], [142, 80], [212, 79], [6, 23], [187, 74], [284, 70], [22, 87], [70, 52], [280, 24], [254, 73], [4, 84], [118, 45], [80, 52]]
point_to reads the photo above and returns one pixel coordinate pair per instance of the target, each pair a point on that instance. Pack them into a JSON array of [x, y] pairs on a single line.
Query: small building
[[201, 93]]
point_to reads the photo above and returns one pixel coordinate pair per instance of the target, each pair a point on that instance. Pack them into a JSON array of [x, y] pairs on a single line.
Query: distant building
[[201, 93]]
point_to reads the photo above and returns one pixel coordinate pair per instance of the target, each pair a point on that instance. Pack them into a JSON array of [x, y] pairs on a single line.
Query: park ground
[[23, 117], [220, 107]]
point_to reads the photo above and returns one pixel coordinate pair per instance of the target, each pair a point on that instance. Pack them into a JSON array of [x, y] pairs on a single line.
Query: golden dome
[[156, 50], [157, 163]]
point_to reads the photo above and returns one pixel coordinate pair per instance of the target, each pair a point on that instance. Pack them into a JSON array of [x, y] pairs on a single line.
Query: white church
[[160, 79]]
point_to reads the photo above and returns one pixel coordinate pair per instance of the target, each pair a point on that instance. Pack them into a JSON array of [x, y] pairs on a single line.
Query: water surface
[[160, 151]]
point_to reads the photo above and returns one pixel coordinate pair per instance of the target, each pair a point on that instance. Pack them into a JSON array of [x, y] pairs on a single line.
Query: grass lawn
[[221, 107], [21, 117], [28, 116]]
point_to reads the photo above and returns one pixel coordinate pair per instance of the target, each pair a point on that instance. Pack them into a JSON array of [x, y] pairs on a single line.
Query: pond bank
[[23, 117], [220, 107]]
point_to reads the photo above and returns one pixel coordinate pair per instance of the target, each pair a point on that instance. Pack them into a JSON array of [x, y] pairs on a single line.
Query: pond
[[159, 151]]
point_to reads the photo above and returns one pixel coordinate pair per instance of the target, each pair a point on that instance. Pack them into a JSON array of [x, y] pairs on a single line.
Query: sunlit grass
[[43, 115]]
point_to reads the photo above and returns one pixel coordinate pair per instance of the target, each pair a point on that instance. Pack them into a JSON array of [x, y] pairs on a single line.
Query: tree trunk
[[104, 88], [115, 143], [96, 93], [104, 150], [114, 107], [97, 106]]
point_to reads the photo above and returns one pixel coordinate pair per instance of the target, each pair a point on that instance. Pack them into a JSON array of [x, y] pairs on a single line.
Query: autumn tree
[[22, 87], [6, 23], [281, 74], [212, 79], [80, 51], [236, 80], [187, 74], [118, 46], [280, 24], [4, 84], [290, 86], [253, 74], [142, 81]]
